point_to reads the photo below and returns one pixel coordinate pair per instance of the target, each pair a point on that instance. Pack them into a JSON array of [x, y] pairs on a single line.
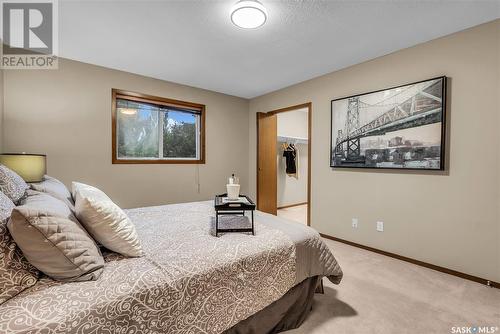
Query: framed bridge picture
[[398, 128]]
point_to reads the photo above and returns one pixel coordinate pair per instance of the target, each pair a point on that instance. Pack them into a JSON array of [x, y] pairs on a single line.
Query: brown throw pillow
[[16, 274], [52, 239], [12, 184]]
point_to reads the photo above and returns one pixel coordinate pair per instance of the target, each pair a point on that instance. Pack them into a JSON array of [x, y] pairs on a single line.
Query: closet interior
[[292, 163]]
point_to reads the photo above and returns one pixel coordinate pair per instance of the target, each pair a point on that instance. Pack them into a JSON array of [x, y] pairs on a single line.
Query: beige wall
[[449, 219], [66, 114], [292, 123]]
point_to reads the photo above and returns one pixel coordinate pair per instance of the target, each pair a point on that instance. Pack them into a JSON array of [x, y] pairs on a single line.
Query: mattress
[[189, 281]]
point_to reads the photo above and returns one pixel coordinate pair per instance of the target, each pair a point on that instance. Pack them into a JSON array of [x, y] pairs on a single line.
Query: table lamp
[[31, 167]]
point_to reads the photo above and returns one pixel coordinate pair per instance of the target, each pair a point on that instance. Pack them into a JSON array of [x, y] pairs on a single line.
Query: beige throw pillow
[[105, 221], [55, 188], [53, 241]]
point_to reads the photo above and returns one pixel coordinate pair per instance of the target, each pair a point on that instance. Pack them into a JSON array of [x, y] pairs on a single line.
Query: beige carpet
[[296, 213], [383, 295]]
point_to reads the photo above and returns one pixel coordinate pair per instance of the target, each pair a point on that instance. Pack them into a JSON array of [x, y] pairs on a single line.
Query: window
[[148, 129]]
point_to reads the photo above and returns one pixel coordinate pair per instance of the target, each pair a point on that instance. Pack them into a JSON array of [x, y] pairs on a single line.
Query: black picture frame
[[353, 164]]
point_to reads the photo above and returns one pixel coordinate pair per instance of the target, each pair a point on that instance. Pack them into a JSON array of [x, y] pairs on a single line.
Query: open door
[[267, 129]]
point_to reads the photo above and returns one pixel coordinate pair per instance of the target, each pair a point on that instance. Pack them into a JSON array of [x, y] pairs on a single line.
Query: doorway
[[283, 162]]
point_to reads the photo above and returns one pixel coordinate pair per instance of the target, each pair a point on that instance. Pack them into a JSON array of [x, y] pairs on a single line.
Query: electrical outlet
[[380, 226], [355, 223]]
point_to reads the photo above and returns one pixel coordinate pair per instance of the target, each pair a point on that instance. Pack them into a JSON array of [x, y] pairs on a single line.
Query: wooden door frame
[[307, 105]]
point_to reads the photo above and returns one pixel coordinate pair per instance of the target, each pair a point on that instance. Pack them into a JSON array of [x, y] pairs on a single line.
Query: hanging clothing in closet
[[291, 153]]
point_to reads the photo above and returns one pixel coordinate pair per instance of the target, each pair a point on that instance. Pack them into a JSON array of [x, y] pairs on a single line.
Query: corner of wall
[[227, 117], [470, 217]]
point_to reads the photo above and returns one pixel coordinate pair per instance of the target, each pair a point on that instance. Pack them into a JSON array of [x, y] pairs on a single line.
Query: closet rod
[[295, 140]]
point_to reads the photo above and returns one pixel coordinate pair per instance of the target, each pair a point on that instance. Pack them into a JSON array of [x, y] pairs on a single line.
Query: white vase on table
[[233, 191]]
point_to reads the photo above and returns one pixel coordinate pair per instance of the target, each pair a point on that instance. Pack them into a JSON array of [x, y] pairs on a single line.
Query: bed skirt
[[286, 313]]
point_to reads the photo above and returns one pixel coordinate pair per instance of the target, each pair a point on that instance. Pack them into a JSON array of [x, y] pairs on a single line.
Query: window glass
[[137, 130], [180, 134], [146, 130]]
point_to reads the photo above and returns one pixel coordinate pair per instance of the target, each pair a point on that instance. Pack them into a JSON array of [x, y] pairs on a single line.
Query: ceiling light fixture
[[248, 14], [128, 111]]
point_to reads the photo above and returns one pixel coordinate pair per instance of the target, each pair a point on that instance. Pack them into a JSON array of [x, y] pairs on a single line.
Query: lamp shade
[[31, 167]]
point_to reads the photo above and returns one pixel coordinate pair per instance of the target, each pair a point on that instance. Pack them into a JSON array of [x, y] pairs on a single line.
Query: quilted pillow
[[16, 274], [105, 221], [55, 188], [52, 239], [12, 184]]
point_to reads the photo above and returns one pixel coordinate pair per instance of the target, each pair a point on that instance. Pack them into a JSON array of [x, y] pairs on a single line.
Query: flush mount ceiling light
[[128, 111], [248, 14]]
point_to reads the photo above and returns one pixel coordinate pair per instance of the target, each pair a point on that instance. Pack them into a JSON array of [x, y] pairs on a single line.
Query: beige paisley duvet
[[188, 282]]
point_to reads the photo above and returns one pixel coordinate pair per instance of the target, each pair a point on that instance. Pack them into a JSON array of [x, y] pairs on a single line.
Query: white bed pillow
[[105, 221]]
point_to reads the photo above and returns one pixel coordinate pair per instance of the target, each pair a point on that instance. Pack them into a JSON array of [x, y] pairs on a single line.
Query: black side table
[[234, 209]]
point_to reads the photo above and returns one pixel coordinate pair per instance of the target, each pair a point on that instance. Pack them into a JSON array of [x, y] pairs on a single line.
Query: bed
[[189, 281]]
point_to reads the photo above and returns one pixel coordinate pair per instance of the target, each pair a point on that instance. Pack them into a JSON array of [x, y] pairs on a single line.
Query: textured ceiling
[[195, 43]]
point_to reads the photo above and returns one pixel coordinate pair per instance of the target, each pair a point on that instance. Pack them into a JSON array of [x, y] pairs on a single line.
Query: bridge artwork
[[401, 127]]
